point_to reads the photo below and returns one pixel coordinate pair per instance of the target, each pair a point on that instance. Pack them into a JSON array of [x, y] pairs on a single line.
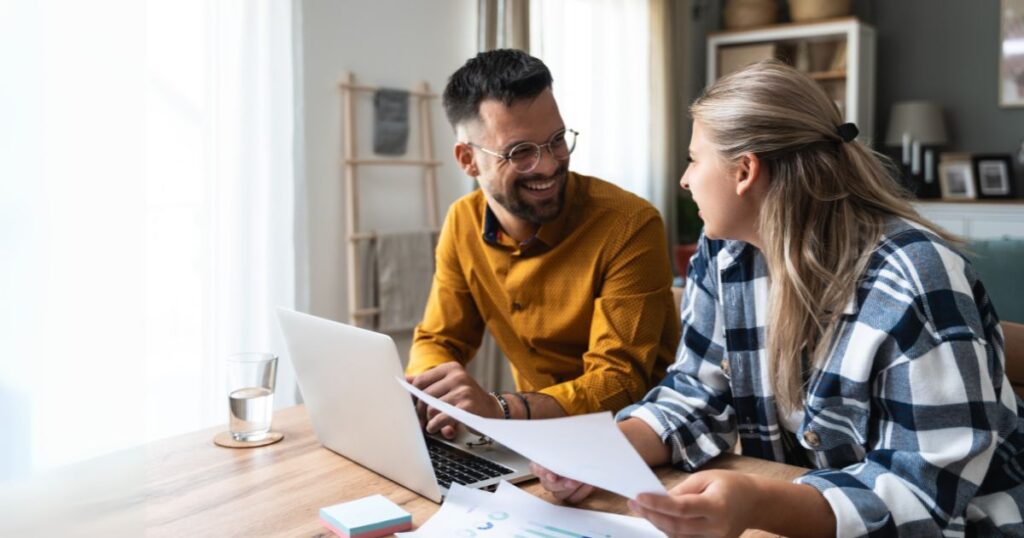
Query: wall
[[692, 20], [947, 52], [387, 43]]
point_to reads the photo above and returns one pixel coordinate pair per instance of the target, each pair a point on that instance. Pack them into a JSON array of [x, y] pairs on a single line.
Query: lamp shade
[[922, 120]]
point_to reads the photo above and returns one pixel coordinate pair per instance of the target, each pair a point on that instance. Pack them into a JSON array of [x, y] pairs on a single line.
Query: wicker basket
[[814, 10], [740, 14]]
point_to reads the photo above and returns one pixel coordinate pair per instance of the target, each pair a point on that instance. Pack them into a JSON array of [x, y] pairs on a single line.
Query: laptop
[[358, 409]]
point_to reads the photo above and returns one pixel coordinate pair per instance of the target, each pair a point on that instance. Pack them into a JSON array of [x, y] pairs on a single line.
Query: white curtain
[[147, 204], [599, 53], [500, 24]]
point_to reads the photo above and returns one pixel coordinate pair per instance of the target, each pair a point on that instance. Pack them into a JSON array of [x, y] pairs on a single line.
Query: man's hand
[[707, 503], [564, 489], [450, 383]]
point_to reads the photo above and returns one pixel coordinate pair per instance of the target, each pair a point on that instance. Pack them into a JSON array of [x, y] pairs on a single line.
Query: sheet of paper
[[512, 512], [516, 500], [588, 448], [459, 515]]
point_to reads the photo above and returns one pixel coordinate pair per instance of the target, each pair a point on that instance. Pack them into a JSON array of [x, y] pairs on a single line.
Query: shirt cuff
[[850, 512], [418, 365], [649, 414], [572, 402], [578, 397]]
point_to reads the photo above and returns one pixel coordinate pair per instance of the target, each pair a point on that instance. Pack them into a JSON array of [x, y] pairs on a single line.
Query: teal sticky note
[[366, 515]]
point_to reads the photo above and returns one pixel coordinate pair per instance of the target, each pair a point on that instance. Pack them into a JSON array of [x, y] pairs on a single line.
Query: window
[[147, 217], [598, 52]]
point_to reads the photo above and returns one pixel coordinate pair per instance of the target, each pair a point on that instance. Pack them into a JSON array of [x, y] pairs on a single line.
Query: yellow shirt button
[[812, 438]]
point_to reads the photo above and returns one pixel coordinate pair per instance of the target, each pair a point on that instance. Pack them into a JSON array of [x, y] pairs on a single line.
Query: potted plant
[[688, 228]]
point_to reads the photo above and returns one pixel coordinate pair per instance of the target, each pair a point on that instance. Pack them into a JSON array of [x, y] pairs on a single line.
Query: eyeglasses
[[525, 156]]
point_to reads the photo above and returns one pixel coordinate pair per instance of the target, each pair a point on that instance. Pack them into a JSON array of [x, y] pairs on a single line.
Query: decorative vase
[[682, 255], [814, 10], [740, 14]]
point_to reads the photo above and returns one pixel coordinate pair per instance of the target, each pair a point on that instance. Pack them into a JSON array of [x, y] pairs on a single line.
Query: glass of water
[[251, 378]]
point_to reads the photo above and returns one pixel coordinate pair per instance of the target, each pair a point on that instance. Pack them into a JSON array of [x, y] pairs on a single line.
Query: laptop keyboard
[[458, 466]]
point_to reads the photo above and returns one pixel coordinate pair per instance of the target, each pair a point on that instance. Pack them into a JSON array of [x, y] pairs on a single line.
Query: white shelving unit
[[847, 70], [976, 220]]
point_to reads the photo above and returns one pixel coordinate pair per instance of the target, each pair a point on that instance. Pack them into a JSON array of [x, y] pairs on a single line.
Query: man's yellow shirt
[[583, 311]]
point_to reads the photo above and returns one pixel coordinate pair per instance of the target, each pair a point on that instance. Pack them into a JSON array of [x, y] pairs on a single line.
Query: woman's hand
[[564, 489], [707, 503]]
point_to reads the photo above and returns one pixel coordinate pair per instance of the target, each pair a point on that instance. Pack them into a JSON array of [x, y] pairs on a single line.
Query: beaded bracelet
[[526, 404], [503, 403]]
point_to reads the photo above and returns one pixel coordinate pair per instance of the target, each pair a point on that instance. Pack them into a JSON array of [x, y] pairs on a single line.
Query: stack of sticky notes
[[366, 518]]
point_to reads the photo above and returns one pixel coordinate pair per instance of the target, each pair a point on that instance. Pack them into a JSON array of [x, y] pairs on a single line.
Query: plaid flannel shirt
[[910, 424]]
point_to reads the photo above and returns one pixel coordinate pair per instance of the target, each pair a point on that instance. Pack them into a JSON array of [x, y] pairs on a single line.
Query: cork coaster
[[226, 440]]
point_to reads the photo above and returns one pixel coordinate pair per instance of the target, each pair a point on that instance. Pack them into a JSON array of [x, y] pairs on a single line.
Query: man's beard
[[535, 212]]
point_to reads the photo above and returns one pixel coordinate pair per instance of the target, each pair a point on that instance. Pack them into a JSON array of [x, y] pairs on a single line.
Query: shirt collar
[[491, 225], [733, 253]]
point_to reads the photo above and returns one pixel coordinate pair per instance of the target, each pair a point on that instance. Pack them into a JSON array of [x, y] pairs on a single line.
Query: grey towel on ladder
[[390, 121], [405, 271]]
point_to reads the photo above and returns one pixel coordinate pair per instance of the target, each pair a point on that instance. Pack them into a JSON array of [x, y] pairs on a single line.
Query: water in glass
[[252, 409]]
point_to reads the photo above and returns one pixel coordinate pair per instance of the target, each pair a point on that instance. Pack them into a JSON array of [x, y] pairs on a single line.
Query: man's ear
[[464, 156], [748, 173]]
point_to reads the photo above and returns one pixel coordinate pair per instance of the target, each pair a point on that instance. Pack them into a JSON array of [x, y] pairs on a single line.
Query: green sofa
[[1000, 265]]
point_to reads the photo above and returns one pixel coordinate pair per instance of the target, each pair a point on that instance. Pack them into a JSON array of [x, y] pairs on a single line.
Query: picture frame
[[1011, 58], [994, 176], [956, 179]]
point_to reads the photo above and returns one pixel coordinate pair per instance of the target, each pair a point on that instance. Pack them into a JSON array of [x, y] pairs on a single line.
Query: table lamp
[[913, 124]]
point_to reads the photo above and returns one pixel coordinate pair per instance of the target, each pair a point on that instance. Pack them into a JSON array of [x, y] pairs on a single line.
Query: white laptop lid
[[347, 377]]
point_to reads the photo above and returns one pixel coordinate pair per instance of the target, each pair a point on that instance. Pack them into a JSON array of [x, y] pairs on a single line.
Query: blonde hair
[[824, 211]]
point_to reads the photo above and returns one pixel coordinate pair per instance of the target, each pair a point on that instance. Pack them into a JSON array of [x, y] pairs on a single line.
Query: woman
[[826, 324]]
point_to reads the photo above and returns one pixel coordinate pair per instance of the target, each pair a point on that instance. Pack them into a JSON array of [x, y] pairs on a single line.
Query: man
[[569, 273]]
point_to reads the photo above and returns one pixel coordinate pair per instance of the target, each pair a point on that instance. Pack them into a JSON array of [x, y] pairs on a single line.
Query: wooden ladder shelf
[[359, 313]]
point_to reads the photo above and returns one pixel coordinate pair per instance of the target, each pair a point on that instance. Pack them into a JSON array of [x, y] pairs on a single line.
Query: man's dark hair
[[507, 75]]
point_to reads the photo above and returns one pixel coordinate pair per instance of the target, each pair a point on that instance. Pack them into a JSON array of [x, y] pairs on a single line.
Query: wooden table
[[195, 488]]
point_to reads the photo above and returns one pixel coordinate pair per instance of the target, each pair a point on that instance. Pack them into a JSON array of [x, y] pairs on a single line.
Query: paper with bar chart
[[588, 448], [513, 513]]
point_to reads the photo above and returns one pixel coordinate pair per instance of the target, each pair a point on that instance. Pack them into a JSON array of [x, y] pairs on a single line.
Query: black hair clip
[[847, 132]]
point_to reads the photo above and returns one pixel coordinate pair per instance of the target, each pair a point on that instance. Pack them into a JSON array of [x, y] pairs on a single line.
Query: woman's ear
[[748, 173], [464, 156]]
